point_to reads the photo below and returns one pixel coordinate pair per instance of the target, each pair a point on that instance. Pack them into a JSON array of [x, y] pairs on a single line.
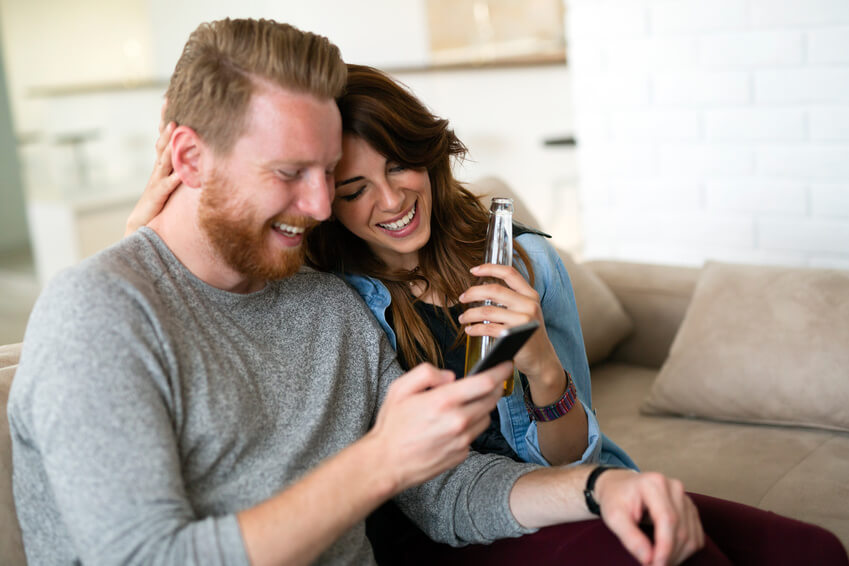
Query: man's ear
[[186, 150]]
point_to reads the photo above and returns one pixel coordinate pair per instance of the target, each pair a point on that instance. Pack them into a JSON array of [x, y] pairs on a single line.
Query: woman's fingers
[[491, 316], [511, 277], [503, 296], [163, 146], [162, 183]]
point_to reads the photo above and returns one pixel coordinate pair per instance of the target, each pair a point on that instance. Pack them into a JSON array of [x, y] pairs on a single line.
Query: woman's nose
[[391, 198]]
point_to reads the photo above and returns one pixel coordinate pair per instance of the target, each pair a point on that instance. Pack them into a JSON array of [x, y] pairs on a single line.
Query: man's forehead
[[307, 127]]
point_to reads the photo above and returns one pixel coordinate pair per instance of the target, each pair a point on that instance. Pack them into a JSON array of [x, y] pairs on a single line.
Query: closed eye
[[353, 196], [289, 174]]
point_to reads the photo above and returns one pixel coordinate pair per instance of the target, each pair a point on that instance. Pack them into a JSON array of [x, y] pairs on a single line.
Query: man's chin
[[280, 267]]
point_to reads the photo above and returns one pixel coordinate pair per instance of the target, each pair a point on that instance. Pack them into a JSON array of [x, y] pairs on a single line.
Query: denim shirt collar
[[377, 298]]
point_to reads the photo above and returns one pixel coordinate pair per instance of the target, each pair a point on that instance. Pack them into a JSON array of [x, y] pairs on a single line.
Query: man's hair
[[225, 61]]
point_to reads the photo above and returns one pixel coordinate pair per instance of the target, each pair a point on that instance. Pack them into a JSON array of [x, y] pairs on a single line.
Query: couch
[[797, 471], [734, 379]]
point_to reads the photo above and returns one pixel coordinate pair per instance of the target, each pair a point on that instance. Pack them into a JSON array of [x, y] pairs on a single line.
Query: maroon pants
[[736, 534]]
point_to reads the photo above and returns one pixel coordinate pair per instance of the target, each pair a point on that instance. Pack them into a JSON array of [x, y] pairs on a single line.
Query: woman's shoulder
[[535, 242], [369, 288]]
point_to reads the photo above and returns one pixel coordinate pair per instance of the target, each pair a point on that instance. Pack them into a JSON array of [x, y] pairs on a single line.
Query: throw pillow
[[604, 322], [761, 345]]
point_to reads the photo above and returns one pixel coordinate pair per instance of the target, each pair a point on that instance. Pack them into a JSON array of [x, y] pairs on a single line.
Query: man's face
[[276, 182]]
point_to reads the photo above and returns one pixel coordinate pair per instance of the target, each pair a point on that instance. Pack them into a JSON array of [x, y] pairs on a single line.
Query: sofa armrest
[[656, 298], [11, 546]]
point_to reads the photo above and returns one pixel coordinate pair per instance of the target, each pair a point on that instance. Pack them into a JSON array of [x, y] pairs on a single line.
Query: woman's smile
[[403, 226]]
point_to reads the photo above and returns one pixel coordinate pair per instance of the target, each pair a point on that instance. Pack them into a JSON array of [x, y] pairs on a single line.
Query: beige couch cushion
[[11, 547], [797, 472], [764, 345], [655, 299], [603, 320]]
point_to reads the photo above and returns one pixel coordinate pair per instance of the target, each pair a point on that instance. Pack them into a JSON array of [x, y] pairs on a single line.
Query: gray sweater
[[150, 407]]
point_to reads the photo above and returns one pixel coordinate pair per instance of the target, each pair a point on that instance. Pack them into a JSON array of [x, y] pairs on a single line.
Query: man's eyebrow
[[351, 180]]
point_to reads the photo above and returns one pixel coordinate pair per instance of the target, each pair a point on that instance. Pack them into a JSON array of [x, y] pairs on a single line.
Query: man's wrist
[[372, 453]]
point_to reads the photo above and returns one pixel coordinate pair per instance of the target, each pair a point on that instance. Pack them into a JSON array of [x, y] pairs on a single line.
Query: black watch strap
[[589, 497]]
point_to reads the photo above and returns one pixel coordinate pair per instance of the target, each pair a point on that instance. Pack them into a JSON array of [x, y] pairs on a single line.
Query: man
[[189, 396]]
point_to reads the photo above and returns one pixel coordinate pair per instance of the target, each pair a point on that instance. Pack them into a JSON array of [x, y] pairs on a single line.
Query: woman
[[406, 234]]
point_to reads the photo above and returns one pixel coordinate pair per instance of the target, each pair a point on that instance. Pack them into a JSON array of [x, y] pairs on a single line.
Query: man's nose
[[316, 196]]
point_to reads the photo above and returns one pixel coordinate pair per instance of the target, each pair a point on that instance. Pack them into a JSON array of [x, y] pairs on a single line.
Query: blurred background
[[666, 131]]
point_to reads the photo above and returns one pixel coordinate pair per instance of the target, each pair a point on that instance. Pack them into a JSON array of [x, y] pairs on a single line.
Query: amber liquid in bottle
[[476, 346], [499, 250]]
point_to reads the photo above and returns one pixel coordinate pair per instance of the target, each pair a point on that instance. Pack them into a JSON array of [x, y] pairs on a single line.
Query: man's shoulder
[[320, 284], [328, 293], [121, 269]]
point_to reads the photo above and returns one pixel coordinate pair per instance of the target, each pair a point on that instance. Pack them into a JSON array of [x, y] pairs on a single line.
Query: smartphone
[[505, 347]]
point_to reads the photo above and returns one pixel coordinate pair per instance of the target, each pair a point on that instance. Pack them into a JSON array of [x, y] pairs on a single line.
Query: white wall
[[374, 32], [57, 43], [713, 129]]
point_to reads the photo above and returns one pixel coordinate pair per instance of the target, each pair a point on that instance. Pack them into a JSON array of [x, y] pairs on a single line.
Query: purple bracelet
[[557, 409]]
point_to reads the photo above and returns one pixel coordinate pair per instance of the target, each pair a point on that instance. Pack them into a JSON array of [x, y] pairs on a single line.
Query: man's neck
[[179, 228]]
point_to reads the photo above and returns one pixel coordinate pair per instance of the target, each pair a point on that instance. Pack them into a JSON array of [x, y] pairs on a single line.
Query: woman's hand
[[562, 440], [162, 183], [537, 359]]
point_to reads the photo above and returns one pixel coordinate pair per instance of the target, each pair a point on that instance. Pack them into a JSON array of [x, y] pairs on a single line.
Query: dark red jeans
[[736, 534]]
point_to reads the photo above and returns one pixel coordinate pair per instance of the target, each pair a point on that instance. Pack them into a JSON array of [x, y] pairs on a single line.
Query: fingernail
[[475, 269], [462, 296]]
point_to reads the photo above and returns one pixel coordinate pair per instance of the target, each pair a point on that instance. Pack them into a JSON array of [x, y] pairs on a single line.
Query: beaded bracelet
[[556, 409]]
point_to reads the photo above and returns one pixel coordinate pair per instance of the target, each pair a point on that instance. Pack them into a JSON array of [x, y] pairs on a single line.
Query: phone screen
[[506, 346]]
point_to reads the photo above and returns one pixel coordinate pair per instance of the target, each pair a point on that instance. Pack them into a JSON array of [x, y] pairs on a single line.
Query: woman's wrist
[[548, 385]]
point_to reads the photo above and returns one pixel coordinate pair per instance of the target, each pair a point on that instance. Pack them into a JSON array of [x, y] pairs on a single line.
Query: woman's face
[[385, 203]]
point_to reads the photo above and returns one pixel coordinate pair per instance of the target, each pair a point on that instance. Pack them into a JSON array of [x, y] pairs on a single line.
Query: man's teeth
[[398, 224], [289, 230]]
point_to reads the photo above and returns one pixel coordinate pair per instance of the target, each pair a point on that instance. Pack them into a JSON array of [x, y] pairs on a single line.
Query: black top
[[394, 538], [490, 441]]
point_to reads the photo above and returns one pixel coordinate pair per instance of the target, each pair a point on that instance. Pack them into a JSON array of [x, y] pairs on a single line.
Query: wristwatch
[[589, 496]]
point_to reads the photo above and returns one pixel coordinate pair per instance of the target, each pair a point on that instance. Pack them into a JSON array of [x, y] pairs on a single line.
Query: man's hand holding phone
[[429, 419]]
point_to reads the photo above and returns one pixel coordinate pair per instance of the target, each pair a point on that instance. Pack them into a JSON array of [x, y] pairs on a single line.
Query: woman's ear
[[186, 149]]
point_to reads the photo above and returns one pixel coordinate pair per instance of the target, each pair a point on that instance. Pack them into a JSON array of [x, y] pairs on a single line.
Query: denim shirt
[[560, 313]]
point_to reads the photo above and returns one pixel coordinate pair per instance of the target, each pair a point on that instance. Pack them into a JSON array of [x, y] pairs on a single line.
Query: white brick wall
[[713, 129]]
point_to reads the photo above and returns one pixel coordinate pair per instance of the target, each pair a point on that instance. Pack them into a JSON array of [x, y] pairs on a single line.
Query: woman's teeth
[[288, 230], [401, 223]]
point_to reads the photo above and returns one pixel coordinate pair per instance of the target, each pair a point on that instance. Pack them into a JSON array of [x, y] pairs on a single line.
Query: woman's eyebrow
[[351, 180]]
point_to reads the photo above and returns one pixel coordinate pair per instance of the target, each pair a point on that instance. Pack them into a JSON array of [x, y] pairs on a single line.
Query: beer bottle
[[499, 250]]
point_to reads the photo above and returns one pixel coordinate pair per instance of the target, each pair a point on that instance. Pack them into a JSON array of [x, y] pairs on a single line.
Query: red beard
[[241, 240]]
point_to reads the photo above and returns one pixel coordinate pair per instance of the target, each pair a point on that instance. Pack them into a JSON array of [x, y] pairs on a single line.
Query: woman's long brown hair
[[398, 126]]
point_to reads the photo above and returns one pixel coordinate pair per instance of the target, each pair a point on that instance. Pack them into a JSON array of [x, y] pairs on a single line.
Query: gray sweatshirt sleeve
[[468, 504], [93, 400]]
